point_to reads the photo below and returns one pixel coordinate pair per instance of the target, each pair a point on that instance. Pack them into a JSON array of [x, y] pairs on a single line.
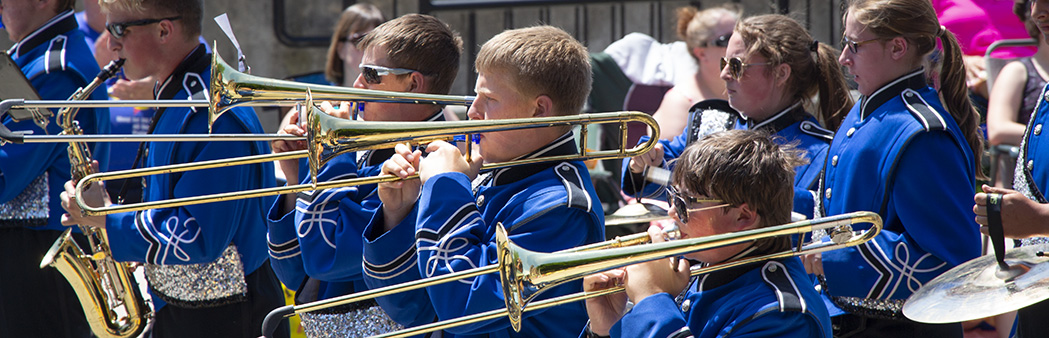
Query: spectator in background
[[1014, 96], [978, 24], [706, 33], [343, 55]]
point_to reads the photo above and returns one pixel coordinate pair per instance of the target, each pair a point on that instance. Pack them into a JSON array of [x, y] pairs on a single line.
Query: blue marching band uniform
[[318, 247], [545, 207], [208, 259], [790, 125], [766, 299], [899, 153], [56, 61], [1031, 179]]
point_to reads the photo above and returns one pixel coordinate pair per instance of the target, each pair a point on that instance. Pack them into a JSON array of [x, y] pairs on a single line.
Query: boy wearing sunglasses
[[730, 181], [445, 221], [50, 51], [206, 264], [316, 237]]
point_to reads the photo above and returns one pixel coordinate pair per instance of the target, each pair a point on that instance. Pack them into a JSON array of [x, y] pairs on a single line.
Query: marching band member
[[769, 69], [1025, 211], [907, 155], [445, 221], [729, 181], [316, 239], [206, 264], [53, 56]]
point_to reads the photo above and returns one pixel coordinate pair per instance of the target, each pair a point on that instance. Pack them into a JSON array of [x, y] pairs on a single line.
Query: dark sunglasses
[[853, 45], [119, 29], [721, 41], [681, 203], [373, 74], [736, 66]]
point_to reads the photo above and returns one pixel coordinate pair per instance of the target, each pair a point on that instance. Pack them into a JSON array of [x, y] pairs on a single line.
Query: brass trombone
[[525, 274], [330, 136]]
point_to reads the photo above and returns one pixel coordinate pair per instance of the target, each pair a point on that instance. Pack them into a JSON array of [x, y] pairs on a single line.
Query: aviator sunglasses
[[119, 29], [736, 66], [373, 74], [681, 202]]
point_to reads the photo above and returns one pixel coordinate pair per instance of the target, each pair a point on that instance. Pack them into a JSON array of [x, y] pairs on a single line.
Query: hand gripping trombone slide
[[525, 274]]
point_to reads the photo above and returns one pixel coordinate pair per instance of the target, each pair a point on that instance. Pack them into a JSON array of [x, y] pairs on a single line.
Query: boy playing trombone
[[730, 181], [445, 221]]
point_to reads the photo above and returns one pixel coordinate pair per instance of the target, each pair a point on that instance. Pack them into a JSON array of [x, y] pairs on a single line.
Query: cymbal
[[973, 291], [636, 213]]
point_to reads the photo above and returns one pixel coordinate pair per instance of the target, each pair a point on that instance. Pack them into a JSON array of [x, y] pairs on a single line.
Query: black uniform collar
[[61, 23], [913, 80], [724, 276], [781, 120], [198, 61], [564, 145], [378, 156]]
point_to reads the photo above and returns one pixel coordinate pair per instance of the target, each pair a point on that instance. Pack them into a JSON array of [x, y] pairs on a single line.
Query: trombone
[[329, 136], [525, 274]]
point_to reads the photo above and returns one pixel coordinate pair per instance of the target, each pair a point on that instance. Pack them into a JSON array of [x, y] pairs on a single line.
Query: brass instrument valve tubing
[[841, 234]]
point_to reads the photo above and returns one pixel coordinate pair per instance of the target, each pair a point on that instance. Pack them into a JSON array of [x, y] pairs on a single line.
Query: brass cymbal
[[972, 290], [636, 213]]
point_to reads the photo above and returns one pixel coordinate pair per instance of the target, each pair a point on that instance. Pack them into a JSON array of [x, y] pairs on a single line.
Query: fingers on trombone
[[656, 234]]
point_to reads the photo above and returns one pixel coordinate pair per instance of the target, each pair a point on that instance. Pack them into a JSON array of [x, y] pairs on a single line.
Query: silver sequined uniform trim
[[713, 121], [32, 203], [355, 323], [1021, 185], [204, 282], [877, 308]]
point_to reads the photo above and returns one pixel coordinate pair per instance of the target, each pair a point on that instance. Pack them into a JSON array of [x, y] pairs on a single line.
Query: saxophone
[[106, 289]]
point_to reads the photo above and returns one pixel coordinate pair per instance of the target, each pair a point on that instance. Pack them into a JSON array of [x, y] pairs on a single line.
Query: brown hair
[[813, 70], [422, 43], [188, 11], [915, 20], [543, 60], [1022, 8], [696, 26], [356, 19], [64, 5], [743, 166]]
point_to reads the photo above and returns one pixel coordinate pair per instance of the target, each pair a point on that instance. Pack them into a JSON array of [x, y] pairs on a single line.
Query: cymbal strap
[[994, 227]]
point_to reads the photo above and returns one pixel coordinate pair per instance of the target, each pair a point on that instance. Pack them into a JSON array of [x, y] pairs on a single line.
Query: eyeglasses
[[736, 66], [680, 204], [721, 41], [119, 29], [853, 45], [373, 74]]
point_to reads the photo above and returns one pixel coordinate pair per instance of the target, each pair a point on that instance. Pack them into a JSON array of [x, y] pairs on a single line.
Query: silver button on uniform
[[1038, 129], [1030, 165], [834, 161], [480, 200], [850, 132], [685, 305], [827, 193]]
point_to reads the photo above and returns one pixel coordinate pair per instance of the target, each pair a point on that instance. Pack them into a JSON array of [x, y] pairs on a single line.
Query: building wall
[[307, 25]]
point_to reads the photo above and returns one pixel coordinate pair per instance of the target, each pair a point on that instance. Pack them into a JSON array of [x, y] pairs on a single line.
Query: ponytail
[[955, 97], [834, 98]]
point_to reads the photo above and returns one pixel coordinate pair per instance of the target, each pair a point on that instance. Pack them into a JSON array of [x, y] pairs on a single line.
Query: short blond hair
[[543, 60], [188, 11]]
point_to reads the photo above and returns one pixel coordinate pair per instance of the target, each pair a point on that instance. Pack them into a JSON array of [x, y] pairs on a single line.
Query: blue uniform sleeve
[[284, 252], [389, 259], [330, 228], [655, 316], [937, 228], [195, 233], [453, 237], [21, 163]]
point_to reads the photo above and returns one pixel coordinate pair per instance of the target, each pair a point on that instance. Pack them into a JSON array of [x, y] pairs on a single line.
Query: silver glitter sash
[[875, 308], [29, 208], [201, 285], [360, 322]]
